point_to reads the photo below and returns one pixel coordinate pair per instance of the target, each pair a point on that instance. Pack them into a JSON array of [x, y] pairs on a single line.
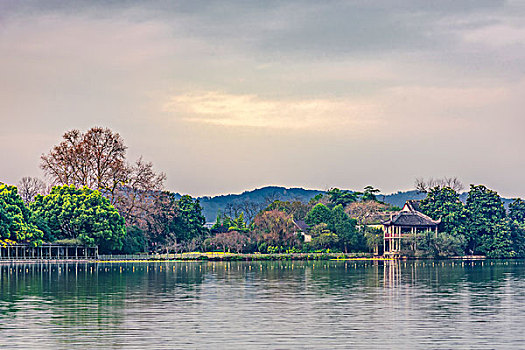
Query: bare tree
[[29, 187], [232, 210], [250, 209], [137, 198], [424, 186], [97, 159]]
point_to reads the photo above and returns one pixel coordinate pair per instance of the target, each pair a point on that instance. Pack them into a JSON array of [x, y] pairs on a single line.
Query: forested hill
[[257, 199], [398, 199]]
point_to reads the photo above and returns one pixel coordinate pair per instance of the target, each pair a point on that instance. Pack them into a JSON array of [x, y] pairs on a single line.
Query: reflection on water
[[325, 304]]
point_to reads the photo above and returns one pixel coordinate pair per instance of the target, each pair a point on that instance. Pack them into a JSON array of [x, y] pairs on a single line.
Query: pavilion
[[408, 223]]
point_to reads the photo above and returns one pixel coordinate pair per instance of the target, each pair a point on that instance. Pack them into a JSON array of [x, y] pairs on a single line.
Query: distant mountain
[[261, 197], [398, 199], [258, 198]]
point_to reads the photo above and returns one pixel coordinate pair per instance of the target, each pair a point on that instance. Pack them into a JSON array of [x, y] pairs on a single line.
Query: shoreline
[[219, 256]]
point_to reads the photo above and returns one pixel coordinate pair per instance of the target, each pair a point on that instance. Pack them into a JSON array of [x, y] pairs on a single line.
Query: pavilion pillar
[[49, 257], [16, 252]]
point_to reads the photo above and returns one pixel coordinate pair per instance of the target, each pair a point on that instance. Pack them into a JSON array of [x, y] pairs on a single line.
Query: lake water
[[264, 305]]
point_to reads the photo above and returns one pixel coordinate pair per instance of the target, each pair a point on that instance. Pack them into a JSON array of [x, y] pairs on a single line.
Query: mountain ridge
[[259, 198]]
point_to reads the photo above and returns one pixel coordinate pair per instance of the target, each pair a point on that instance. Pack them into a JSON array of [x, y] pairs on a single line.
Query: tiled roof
[[411, 217], [303, 226]]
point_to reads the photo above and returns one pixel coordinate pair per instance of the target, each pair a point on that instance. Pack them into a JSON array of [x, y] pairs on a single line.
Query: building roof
[[303, 226], [409, 216], [412, 204]]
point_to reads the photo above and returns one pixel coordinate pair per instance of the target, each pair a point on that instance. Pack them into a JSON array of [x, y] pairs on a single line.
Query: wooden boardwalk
[[48, 252]]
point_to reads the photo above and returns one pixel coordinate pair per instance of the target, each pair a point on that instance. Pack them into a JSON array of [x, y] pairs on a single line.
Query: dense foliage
[[487, 229], [480, 226], [175, 225], [81, 214], [121, 207], [444, 203], [16, 222], [97, 159], [319, 214]]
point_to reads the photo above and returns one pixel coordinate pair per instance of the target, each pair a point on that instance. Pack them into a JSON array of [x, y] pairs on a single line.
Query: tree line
[[480, 226], [97, 197]]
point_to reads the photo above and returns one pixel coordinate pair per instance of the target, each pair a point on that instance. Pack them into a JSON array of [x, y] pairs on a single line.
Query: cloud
[[280, 85], [497, 36], [218, 108]]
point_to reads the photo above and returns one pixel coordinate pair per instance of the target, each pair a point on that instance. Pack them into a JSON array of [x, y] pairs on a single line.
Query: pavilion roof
[[409, 216]]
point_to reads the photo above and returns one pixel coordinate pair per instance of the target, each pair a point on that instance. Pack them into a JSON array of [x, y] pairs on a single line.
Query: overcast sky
[[225, 96]]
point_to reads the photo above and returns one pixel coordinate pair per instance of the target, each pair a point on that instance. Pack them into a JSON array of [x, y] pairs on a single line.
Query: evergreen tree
[[487, 230], [16, 222], [517, 225], [345, 228], [444, 203], [82, 214], [319, 214]]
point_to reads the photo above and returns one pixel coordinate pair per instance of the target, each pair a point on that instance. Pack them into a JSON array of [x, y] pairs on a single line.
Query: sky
[[226, 96]]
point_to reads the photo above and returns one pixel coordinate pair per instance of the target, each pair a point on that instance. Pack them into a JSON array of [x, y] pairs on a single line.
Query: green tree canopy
[[444, 203], [487, 230], [134, 241], [342, 197], [345, 228], [517, 225], [370, 193], [16, 222], [190, 221], [80, 213], [175, 224], [319, 214], [517, 210]]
